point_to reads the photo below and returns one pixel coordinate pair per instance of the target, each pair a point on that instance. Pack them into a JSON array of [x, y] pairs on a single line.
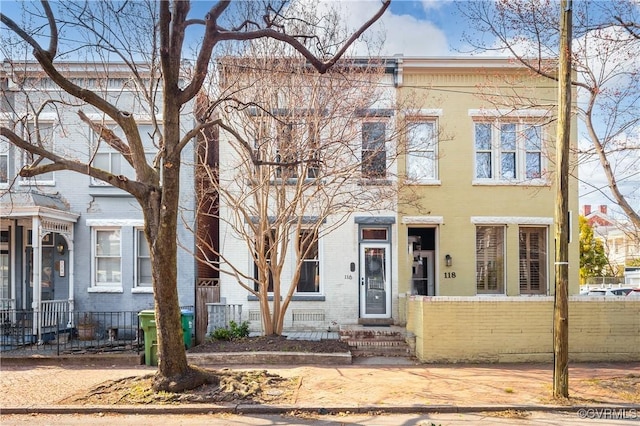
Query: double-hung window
[[309, 280], [109, 159], [374, 154], [41, 135], [4, 163], [286, 152], [490, 259], [143, 261], [508, 151], [312, 166], [422, 151], [298, 151], [533, 260], [107, 258]]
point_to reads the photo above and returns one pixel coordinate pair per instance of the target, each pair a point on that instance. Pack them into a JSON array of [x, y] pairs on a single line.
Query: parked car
[[600, 292], [617, 291], [635, 292]]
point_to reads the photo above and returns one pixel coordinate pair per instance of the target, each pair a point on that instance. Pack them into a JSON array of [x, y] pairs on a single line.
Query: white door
[[375, 280]]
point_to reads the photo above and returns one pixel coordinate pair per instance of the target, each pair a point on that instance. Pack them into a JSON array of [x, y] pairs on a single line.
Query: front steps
[[369, 341]]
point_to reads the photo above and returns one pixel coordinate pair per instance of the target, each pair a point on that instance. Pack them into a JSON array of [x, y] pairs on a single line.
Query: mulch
[[272, 344]]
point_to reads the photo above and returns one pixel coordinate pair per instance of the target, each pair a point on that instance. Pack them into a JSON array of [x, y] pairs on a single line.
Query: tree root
[[191, 379]]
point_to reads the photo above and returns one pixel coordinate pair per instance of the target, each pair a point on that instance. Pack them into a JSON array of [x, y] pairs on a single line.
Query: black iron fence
[[70, 332]]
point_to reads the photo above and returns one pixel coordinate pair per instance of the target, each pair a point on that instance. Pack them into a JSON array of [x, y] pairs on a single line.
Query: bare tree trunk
[[561, 306]]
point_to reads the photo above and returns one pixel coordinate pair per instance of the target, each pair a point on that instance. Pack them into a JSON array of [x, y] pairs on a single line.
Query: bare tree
[[606, 73], [107, 30], [300, 163]]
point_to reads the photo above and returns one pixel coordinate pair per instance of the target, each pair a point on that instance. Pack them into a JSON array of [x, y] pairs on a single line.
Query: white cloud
[[402, 34]]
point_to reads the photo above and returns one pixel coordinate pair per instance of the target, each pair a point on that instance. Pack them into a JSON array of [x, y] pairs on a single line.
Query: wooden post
[[561, 305]]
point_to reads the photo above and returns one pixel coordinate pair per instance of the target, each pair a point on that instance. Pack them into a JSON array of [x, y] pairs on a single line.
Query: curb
[[279, 409], [201, 359]]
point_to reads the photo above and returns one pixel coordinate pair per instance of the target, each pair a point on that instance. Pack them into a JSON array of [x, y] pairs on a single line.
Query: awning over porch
[[43, 215]]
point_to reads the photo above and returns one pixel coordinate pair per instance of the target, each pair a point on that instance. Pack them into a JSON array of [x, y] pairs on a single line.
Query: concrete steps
[[369, 341]]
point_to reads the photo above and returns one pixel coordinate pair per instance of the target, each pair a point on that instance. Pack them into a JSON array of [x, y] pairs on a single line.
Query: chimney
[[587, 209], [603, 208]]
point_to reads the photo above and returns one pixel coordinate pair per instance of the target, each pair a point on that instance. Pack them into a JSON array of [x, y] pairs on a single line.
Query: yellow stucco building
[[480, 170]]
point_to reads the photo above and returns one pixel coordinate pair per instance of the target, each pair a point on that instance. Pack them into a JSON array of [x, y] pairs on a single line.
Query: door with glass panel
[[375, 280]]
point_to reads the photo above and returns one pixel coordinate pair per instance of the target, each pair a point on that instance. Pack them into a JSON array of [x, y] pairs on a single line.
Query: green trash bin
[[187, 327], [148, 325]]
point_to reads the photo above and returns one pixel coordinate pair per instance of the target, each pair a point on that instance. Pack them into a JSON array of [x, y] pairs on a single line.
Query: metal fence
[[70, 332]]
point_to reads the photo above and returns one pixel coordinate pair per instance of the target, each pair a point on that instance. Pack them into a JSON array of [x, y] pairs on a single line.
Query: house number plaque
[[449, 274]]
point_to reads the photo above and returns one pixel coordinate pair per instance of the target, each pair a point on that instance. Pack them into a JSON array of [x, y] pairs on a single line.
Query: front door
[[375, 280], [422, 279]]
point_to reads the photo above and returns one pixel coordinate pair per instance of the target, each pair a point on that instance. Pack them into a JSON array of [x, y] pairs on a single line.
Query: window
[[374, 155], [490, 259], [256, 271], [286, 152], [4, 162], [292, 144], [508, 151], [112, 161], [143, 261], [309, 280], [44, 136], [421, 151], [373, 234], [107, 245], [533, 260], [313, 161]]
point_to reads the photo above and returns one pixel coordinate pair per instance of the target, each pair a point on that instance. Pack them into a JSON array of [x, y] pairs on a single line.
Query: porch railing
[[53, 311], [6, 304]]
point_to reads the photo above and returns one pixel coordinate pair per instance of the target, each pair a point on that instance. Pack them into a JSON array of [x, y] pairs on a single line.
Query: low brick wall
[[520, 329]]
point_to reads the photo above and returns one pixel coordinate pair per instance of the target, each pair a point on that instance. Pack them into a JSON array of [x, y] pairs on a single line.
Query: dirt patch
[[272, 344], [233, 387], [625, 388]]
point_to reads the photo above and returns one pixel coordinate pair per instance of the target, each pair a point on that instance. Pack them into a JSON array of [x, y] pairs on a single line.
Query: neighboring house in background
[[70, 242], [484, 178], [621, 246]]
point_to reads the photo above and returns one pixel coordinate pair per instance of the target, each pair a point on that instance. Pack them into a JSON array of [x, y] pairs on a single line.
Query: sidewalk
[[376, 385]]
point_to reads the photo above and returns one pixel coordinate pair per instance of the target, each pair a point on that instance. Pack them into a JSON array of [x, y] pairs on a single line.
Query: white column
[[36, 272], [71, 252]]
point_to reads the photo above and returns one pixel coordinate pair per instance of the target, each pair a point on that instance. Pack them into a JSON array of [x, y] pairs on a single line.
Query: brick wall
[[520, 329]]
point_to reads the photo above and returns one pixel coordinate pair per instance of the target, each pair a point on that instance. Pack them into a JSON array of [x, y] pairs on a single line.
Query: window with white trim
[[297, 144], [4, 163], [107, 258], [109, 159], [143, 261], [533, 260], [374, 153], [309, 279], [422, 143], [490, 259], [42, 135], [508, 151]]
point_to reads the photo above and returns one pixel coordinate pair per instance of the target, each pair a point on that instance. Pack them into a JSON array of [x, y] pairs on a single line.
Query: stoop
[[387, 341]]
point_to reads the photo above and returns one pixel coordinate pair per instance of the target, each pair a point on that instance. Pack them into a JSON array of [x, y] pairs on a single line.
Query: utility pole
[[561, 304]]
